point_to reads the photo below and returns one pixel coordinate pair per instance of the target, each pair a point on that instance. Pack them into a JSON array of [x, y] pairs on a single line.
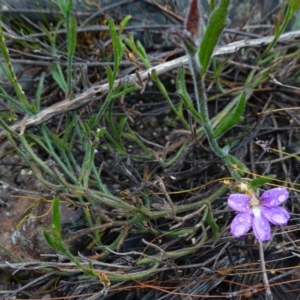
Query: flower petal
[[241, 224], [239, 202], [261, 226], [276, 215], [274, 197]]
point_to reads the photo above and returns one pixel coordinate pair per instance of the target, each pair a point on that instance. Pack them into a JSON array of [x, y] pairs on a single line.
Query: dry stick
[[274, 80], [95, 92]]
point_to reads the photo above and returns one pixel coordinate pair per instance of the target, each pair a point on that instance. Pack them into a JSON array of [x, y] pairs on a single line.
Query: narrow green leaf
[[110, 76], [88, 161], [119, 92], [250, 77], [175, 158], [59, 142], [212, 5], [163, 90], [240, 167], [58, 77], [181, 85], [217, 70], [234, 118], [286, 14], [212, 223], [129, 41], [118, 46], [39, 92], [121, 126], [50, 240], [114, 37], [182, 91], [14, 101], [63, 6], [137, 49], [132, 136], [69, 6], [123, 24], [33, 156], [72, 36], [69, 133], [6, 72], [100, 131], [56, 217], [216, 24], [262, 77], [143, 54], [257, 182]]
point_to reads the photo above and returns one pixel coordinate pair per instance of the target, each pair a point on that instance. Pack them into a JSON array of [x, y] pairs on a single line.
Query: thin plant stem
[[269, 295], [201, 99]]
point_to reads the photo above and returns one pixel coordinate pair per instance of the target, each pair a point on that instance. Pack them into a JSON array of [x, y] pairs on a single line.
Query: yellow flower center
[[254, 201]]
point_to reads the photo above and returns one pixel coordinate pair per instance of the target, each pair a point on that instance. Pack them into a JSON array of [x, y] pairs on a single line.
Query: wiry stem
[[269, 295]]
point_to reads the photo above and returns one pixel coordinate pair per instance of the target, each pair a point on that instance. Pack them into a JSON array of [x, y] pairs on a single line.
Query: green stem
[[201, 99], [176, 253], [137, 275]]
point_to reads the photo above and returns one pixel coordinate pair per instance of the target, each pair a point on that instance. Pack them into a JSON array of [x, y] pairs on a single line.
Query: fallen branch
[[96, 92]]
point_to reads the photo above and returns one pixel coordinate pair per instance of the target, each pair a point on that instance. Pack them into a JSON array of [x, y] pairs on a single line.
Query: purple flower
[[258, 212]]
